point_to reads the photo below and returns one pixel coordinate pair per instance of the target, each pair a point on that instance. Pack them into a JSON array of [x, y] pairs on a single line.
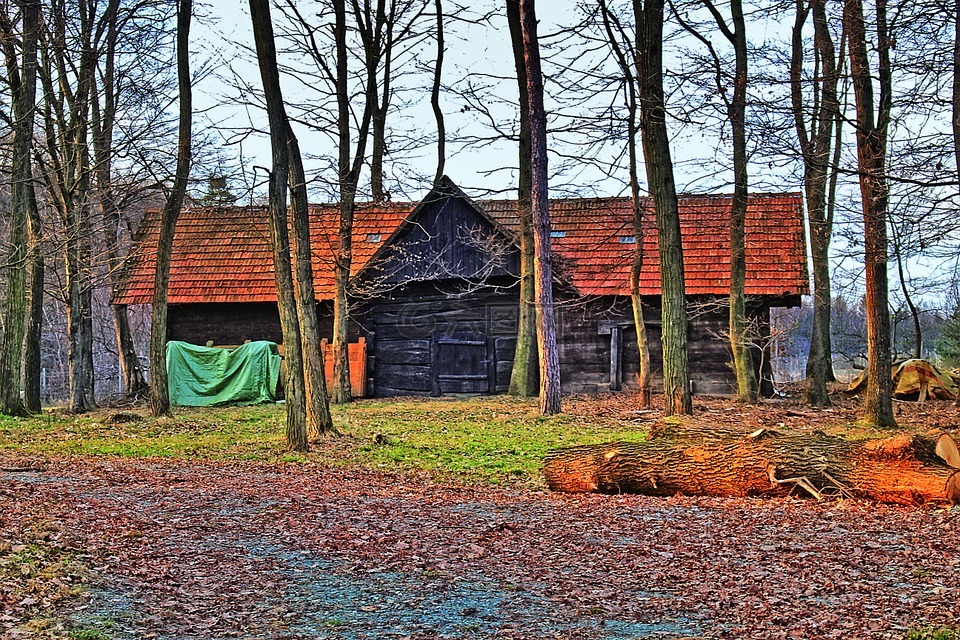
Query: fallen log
[[905, 469]]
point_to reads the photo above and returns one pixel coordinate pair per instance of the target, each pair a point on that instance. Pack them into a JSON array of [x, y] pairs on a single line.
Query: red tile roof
[[592, 230], [223, 254]]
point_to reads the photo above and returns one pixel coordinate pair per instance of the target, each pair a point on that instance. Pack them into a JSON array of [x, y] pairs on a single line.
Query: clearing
[[200, 526]]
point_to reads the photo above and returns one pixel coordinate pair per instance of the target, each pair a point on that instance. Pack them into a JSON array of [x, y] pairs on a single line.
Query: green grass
[[492, 439], [934, 633]]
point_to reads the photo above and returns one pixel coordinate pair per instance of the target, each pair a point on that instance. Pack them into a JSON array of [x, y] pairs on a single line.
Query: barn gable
[[446, 237]]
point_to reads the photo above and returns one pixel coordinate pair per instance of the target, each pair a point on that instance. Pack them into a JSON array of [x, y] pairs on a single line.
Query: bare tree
[[65, 169], [817, 122], [159, 395], [288, 166], [871, 131], [523, 377], [22, 77], [104, 104], [648, 17], [539, 203], [736, 105], [435, 96], [624, 52]]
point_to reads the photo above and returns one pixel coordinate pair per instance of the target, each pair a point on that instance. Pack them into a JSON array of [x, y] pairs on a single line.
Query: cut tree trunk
[[904, 469]]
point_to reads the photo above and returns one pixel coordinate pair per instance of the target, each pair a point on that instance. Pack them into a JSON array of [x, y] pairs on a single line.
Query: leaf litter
[[247, 550]]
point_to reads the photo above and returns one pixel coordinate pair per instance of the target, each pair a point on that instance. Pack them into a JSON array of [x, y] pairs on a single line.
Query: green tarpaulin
[[206, 377]]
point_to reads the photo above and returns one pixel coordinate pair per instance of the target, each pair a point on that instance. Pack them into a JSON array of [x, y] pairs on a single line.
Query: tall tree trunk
[[435, 95], [539, 192], [79, 228], [371, 34], [378, 148], [296, 391], [656, 151], [23, 89], [341, 392], [643, 347], [871, 156], [524, 376], [32, 365], [956, 83], [319, 420], [80, 306], [747, 388], [159, 396], [815, 148], [104, 117]]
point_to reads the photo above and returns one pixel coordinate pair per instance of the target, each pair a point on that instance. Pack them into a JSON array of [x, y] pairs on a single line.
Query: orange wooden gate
[[358, 366]]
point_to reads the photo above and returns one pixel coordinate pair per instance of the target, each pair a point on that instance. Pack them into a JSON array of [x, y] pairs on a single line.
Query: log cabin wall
[[227, 323], [441, 339]]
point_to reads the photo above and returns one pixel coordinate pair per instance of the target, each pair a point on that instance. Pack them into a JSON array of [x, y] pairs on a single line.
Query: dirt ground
[[178, 550]]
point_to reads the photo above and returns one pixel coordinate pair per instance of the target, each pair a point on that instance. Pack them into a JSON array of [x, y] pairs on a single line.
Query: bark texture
[[656, 152], [159, 393], [549, 359], [319, 420], [815, 141], [904, 469], [22, 77], [523, 377], [295, 390], [871, 160]]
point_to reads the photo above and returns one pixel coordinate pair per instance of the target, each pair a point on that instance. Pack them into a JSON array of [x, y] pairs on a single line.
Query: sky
[[479, 51]]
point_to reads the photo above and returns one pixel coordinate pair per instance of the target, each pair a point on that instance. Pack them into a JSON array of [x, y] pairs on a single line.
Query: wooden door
[[462, 364]]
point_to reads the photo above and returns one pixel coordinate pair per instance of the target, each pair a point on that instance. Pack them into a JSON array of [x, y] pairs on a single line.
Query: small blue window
[[628, 239], [558, 234], [374, 237]]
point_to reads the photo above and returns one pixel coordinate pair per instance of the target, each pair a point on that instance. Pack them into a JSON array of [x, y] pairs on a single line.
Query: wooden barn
[[435, 286]]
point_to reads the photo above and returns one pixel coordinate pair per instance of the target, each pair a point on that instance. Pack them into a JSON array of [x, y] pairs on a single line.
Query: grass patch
[[934, 633], [494, 439]]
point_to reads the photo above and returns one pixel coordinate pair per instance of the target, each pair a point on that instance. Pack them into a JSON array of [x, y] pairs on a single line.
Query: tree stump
[[904, 469]]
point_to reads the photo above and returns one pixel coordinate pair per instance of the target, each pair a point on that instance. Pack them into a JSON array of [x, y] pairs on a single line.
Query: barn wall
[[467, 336], [441, 339], [234, 323]]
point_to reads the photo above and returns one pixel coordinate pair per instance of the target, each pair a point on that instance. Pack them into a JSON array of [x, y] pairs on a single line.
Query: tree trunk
[[159, 396], [956, 84], [747, 389], [904, 469], [23, 89], [295, 392], [539, 193], [643, 347], [871, 157], [104, 116], [319, 420], [80, 312], [378, 148], [32, 368], [656, 152], [523, 377], [914, 312], [435, 96], [815, 148]]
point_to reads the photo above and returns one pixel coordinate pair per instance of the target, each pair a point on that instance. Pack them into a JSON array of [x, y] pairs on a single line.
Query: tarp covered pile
[[206, 376], [914, 380]]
